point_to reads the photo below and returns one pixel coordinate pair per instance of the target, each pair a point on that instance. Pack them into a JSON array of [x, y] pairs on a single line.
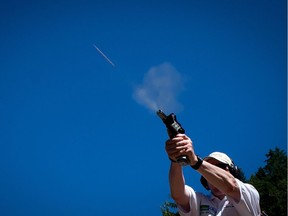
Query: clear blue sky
[[77, 137]]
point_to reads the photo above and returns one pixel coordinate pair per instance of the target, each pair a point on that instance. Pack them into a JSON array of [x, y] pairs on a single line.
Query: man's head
[[221, 160], [220, 157]]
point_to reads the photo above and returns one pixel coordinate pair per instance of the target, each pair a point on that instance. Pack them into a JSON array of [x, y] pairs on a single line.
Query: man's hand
[[181, 145]]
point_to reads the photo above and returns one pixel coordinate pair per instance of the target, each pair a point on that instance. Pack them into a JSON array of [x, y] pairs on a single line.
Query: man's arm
[[221, 179], [176, 177], [177, 186]]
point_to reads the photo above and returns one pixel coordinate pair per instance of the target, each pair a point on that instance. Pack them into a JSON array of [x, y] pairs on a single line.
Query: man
[[229, 196]]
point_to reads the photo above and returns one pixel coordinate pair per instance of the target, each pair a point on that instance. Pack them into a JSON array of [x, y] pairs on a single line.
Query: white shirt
[[202, 205]]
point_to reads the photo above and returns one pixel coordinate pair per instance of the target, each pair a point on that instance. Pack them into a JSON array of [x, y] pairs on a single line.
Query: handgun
[[174, 128]]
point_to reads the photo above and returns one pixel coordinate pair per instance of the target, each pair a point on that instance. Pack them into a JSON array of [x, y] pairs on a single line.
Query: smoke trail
[[160, 87]]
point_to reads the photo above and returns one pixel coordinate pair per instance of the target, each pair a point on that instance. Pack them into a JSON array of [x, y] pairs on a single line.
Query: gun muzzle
[[162, 115]]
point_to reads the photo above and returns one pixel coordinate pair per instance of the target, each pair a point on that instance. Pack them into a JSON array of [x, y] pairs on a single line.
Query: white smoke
[[160, 87]]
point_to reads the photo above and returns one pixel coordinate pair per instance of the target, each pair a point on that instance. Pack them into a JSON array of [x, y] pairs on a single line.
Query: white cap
[[221, 157]]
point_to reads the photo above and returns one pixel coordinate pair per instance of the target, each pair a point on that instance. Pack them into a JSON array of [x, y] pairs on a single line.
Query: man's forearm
[[221, 179], [177, 186], [177, 181]]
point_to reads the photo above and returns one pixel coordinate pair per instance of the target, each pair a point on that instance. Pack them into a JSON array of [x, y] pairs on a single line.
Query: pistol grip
[[182, 160]]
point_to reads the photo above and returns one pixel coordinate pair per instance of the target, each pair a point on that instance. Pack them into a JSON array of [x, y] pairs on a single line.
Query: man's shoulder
[[198, 194], [247, 187], [249, 199]]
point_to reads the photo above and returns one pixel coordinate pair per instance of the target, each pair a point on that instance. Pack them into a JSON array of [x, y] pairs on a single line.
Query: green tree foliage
[[169, 209], [271, 183]]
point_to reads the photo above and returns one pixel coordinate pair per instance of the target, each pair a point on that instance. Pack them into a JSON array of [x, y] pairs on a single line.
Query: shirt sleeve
[[193, 202], [249, 202]]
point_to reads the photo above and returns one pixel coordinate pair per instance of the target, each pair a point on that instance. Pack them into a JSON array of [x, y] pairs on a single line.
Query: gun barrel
[[161, 114]]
